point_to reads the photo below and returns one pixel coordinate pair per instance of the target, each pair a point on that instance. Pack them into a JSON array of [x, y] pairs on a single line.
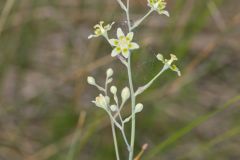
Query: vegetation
[[45, 58]]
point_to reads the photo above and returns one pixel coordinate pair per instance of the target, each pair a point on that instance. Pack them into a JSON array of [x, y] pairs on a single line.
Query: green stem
[[125, 139], [137, 23], [113, 123], [133, 127], [143, 88], [115, 140], [131, 152], [121, 5], [128, 17]]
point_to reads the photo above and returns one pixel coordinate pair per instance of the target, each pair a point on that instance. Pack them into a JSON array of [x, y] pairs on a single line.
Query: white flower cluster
[[122, 45]]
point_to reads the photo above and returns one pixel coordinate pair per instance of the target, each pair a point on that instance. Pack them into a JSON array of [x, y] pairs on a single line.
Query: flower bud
[[138, 107], [113, 89], [91, 80], [160, 57], [107, 100], [109, 72], [125, 94], [109, 80], [113, 108]]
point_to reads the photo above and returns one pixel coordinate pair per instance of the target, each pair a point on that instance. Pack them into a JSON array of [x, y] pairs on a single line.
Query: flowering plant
[[122, 48]]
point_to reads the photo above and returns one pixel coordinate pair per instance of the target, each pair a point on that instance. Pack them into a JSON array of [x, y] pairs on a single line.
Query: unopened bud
[[113, 108], [91, 80], [113, 89], [139, 107], [125, 94], [160, 57], [109, 72]]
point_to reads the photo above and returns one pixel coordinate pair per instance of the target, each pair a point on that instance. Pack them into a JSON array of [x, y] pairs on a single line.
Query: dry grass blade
[[5, 13], [89, 68], [77, 134], [144, 147], [231, 133]]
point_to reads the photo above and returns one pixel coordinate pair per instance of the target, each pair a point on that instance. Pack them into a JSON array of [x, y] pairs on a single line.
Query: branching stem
[[138, 22], [143, 88], [115, 140], [112, 124]]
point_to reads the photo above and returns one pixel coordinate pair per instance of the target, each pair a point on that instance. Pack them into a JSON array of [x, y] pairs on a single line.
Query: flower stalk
[[122, 48], [133, 126], [138, 22]]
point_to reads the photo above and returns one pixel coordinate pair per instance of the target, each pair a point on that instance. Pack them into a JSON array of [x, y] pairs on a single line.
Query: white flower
[[101, 30], [168, 62], [125, 94], [91, 80], [101, 101], [159, 6], [123, 44]]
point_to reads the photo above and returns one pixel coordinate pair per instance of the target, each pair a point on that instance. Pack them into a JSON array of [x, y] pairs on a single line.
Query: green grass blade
[[180, 133]]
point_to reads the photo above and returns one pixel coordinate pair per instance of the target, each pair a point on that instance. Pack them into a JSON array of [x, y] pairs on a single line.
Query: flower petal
[[130, 36], [114, 42], [125, 53], [120, 33], [111, 25], [160, 57], [166, 13], [92, 36], [108, 27], [175, 69], [173, 57], [115, 51], [133, 45]]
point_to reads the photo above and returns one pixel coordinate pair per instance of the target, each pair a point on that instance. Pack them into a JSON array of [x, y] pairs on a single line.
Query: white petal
[[112, 24], [115, 52], [113, 42], [120, 33], [92, 36], [130, 36], [166, 13], [155, 6], [125, 53], [133, 46], [160, 57]]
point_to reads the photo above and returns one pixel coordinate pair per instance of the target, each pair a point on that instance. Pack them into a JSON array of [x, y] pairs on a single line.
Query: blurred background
[[45, 103]]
